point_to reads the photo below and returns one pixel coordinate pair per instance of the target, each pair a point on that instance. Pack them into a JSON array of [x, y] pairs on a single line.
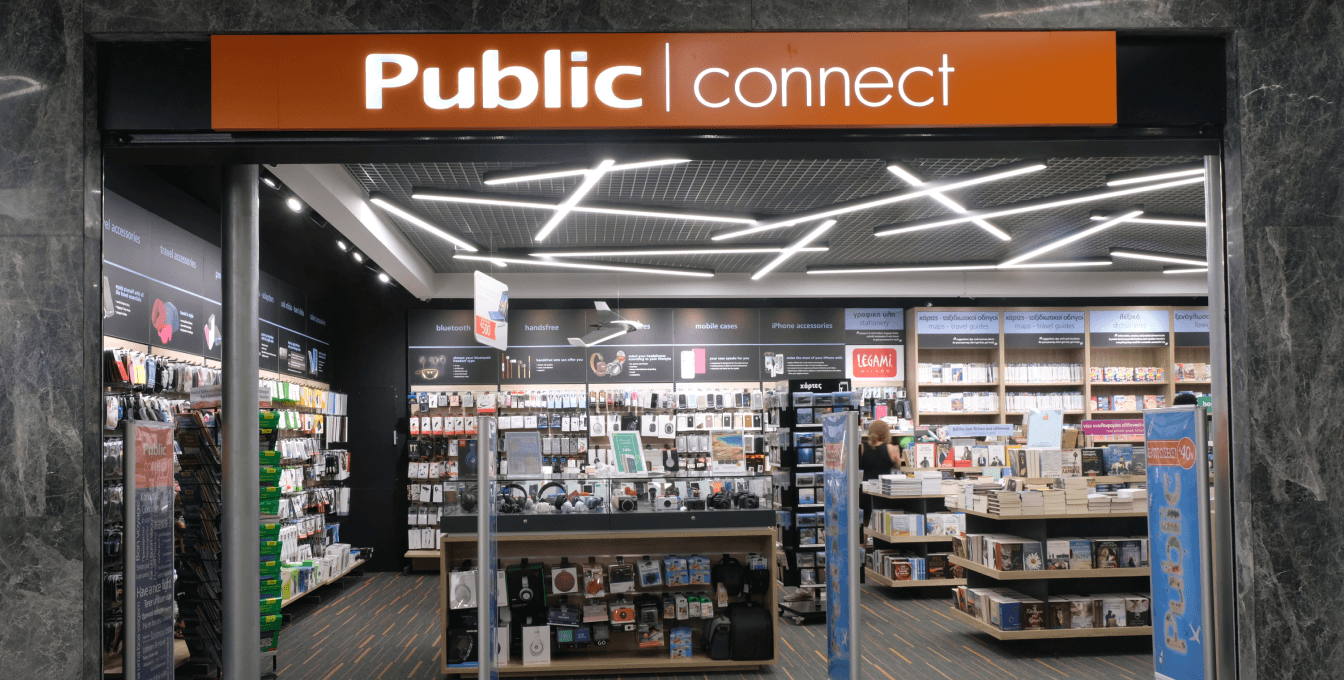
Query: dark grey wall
[[1285, 210]]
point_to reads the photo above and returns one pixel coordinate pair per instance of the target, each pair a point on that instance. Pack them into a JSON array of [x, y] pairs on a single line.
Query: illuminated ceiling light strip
[[649, 212], [1156, 218], [648, 164], [663, 250], [1031, 206], [533, 174], [1158, 257], [1185, 270], [574, 197], [569, 170], [1116, 218], [451, 196], [590, 265], [480, 199], [880, 269], [1091, 262], [914, 180], [794, 249], [1154, 174], [936, 186], [421, 222]]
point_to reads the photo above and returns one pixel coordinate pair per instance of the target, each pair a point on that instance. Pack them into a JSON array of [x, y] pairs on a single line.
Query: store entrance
[[919, 333], [614, 354]]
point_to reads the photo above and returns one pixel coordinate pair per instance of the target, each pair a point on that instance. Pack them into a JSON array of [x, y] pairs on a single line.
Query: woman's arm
[[895, 453]]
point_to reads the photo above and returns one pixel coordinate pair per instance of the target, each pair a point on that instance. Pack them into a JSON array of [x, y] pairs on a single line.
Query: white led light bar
[[1116, 218], [421, 222], [915, 180], [503, 200], [1158, 257], [1185, 270], [568, 170], [1157, 218], [1092, 262], [1031, 206], [1155, 174], [876, 200], [881, 269], [793, 249], [570, 264], [589, 181], [653, 251]]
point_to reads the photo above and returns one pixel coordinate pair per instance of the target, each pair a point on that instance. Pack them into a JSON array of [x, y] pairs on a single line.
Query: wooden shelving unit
[[333, 579], [1049, 633], [1165, 357], [906, 539], [1048, 573], [1089, 515], [621, 656], [924, 583]]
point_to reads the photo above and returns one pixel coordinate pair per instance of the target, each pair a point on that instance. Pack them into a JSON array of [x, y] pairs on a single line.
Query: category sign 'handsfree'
[[662, 80]]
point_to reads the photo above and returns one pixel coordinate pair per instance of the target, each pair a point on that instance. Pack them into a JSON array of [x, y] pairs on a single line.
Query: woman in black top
[[879, 457]]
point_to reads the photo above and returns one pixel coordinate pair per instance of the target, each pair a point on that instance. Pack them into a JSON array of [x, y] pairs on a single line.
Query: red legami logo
[[874, 362]]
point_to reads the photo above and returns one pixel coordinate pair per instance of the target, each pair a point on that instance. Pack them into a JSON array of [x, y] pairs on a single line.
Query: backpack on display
[[731, 574], [718, 638], [751, 634]]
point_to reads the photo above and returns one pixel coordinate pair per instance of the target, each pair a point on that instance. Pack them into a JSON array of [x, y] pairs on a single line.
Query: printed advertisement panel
[[1177, 526], [875, 362], [874, 326], [946, 330], [491, 322], [149, 650], [539, 352], [1130, 328], [1192, 327], [443, 350], [839, 432], [630, 363], [1043, 329]]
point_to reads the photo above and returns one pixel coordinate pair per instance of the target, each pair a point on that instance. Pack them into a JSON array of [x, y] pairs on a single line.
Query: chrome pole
[[241, 542]]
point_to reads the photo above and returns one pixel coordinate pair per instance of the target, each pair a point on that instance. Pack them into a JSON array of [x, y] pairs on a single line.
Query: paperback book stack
[[896, 523], [1075, 495], [1004, 503], [1033, 502], [1098, 503], [1121, 503], [1054, 502], [900, 485]]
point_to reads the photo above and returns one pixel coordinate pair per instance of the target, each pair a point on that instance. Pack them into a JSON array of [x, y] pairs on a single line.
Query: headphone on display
[[559, 501], [510, 504], [468, 499]]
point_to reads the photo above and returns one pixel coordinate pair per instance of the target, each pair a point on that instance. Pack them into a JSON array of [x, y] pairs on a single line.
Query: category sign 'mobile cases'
[[662, 80]]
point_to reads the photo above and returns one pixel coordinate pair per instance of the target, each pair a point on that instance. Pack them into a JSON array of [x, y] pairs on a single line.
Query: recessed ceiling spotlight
[[270, 181], [358, 257], [342, 246], [382, 276], [294, 204]]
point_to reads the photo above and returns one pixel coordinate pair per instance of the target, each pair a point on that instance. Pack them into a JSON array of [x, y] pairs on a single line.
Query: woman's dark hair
[[1184, 399]]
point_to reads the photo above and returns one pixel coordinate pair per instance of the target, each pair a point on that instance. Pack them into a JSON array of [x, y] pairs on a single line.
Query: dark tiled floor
[[384, 626]]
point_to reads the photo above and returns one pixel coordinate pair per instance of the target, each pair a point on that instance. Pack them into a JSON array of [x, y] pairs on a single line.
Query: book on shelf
[[1092, 462], [1118, 459]]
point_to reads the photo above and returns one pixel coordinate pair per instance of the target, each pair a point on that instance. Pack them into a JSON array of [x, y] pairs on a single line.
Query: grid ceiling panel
[[763, 188]]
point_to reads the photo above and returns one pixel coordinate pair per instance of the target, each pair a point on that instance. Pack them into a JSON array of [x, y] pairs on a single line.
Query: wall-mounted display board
[[684, 345], [442, 350], [163, 287], [1104, 363]]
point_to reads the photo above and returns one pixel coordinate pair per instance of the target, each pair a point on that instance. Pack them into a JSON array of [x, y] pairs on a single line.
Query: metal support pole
[[241, 543], [1224, 561]]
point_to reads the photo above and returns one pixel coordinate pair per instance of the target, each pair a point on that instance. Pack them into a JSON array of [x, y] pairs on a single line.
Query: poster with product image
[[539, 352], [492, 311], [643, 355], [442, 350], [802, 343], [717, 345]]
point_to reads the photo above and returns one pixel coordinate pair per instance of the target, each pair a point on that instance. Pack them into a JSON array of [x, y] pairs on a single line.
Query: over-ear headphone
[[468, 499], [509, 504], [559, 500]]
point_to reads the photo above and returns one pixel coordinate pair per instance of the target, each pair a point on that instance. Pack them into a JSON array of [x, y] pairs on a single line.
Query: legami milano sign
[[662, 80]]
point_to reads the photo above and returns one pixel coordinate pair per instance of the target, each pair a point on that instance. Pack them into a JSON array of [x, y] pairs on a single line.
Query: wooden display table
[[621, 655]]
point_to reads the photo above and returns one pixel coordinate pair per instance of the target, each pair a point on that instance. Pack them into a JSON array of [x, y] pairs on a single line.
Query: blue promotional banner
[[840, 476], [1178, 504]]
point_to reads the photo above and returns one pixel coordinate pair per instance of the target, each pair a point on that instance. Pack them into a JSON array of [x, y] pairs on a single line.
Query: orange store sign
[[661, 80]]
